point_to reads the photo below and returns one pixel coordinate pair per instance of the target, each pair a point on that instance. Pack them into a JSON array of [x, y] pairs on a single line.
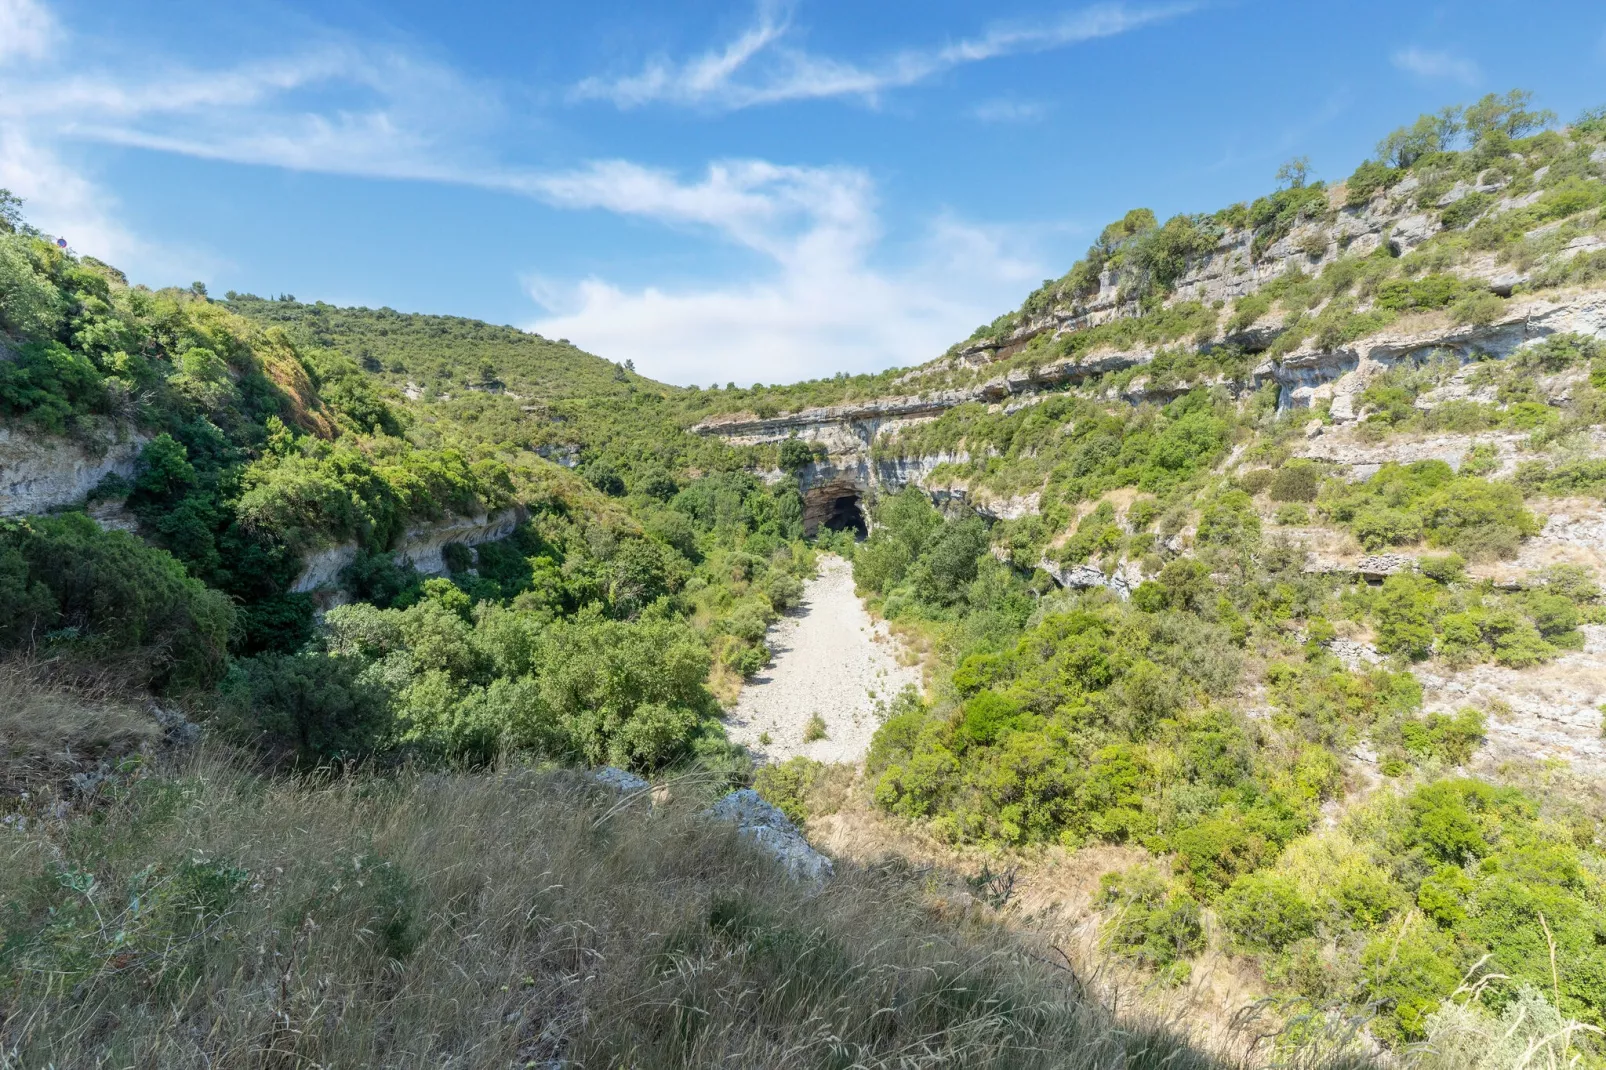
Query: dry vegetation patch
[[519, 917]]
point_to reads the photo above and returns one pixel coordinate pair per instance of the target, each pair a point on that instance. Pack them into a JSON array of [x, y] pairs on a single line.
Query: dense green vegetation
[[630, 598], [1296, 805], [1076, 718]]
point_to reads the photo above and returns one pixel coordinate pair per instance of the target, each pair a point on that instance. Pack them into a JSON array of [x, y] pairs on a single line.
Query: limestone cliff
[[422, 547], [40, 472]]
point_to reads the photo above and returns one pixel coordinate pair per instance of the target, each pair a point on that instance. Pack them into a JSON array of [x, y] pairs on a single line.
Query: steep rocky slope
[[1312, 293]]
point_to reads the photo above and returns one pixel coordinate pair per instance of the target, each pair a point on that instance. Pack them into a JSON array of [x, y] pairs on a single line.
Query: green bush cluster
[[69, 589], [1428, 501], [1154, 922]]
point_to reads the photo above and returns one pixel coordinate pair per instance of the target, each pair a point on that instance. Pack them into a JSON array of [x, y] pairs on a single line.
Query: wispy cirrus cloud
[[334, 106], [26, 29], [1437, 65], [758, 67], [1007, 110]]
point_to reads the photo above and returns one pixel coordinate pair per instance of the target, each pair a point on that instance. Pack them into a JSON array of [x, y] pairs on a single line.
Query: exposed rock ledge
[[1013, 382], [40, 472], [1309, 374], [1306, 375], [421, 547]]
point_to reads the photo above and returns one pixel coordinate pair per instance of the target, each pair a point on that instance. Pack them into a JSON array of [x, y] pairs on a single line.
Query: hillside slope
[[1255, 566], [1252, 556]]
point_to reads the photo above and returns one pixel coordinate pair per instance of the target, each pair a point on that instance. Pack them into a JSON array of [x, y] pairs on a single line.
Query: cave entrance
[[845, 514]]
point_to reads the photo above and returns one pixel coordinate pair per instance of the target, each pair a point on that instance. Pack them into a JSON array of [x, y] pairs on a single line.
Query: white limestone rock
[[774, 833]]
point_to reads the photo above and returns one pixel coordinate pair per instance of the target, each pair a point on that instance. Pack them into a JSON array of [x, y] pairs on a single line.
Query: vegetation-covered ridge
[[1163, 651], [1457, 215], [1159, 633], [630, 600]]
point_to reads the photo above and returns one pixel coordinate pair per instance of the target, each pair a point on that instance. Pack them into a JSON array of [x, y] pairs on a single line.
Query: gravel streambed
[[832, 660]]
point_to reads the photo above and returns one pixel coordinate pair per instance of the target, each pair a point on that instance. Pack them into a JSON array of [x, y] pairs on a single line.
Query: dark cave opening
[[845, 514]]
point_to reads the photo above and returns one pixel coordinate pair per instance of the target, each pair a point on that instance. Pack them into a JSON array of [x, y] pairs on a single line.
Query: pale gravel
[[830, 659]]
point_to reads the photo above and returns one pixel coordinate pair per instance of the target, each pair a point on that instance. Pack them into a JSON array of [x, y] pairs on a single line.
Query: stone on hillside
[[176, 728], [774, 833], [612, 777]]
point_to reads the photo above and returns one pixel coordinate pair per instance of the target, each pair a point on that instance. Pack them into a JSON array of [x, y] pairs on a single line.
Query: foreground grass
[[208, 916]]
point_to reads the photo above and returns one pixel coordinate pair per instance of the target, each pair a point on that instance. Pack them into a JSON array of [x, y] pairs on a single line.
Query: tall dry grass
[[48, 732], [212, 917], [193, 912]]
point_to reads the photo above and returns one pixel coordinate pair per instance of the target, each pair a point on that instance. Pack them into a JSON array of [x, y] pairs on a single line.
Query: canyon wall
[[40, 472]]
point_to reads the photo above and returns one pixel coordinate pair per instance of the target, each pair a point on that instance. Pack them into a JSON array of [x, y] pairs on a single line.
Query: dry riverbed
[[831, 660]]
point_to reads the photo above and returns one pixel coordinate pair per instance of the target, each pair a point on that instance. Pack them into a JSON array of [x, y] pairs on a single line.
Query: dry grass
[[196, 913], [1222, 1008], [215, 918], [50, 732], [725, 684]]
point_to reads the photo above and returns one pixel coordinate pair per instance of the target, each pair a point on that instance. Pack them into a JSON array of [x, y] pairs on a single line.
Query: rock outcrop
[[1311, 374], [421, 547], [774, 833], [610, 776], [1305, 377], [40, 473], [1121, 582]]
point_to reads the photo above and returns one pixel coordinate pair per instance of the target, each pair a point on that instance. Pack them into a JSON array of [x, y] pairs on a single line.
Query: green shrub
[[629, 694], [311, 708], [1405, 611], [1255, 480], [1214, 853], [1452, 739], [30, 305], [1155, 923], [68, 586], [797, 455], [787, 786], [1367, 179], [1478, 307], [50, 384], [1409, 969], [1443, 568], [1297, 481], [1265, 912], [1404, 503]]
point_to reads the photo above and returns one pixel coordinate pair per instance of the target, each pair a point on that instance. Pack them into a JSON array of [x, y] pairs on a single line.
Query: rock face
[[421, 547], [1310, 374], [1372, 567], [1551, 711], [1122, 582], [1305, 377], [39, 472], [619, 780], [774, 833]]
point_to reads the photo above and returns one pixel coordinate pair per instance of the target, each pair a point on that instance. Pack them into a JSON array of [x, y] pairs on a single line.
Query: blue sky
[[750, 191]]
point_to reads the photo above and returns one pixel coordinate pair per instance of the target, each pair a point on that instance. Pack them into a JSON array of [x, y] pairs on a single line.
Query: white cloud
[[1437, 65], [26, 29], [60, 201], [332, 106], [759, 68], [1005, 110], [358, 111], [821, 297], [820, 305]]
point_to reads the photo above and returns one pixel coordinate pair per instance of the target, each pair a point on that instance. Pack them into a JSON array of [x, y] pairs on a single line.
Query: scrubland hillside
[[1265, 546], [1253, 567]]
